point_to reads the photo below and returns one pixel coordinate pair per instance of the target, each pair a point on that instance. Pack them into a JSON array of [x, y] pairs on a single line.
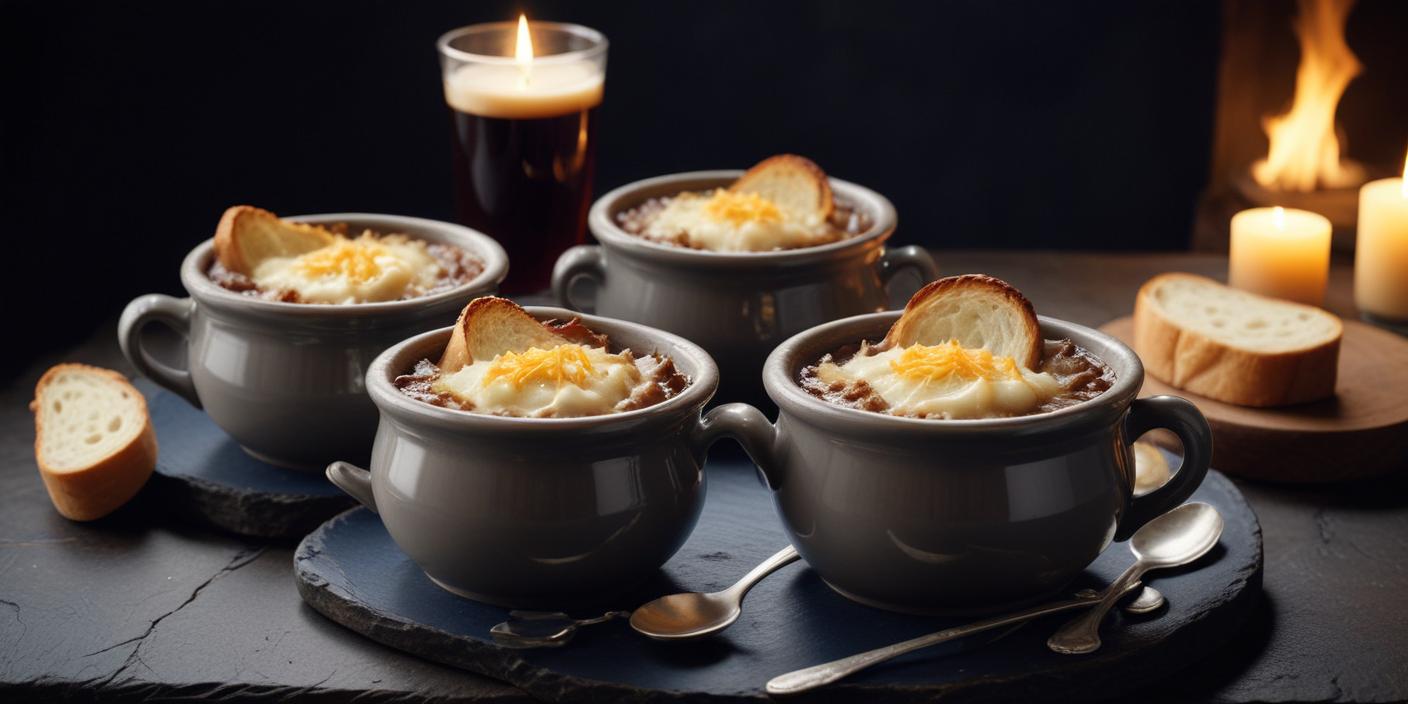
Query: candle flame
[[1304, 153], [1278, 216], [523, 51]]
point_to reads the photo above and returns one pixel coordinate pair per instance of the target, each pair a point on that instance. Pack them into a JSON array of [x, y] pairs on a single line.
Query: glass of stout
[[524, 136]]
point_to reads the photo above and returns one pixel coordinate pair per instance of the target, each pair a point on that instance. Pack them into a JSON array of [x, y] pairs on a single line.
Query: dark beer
[[523, 104], [527, 183]]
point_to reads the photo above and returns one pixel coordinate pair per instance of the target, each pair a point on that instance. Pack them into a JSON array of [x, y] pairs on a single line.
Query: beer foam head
[[523, 93]]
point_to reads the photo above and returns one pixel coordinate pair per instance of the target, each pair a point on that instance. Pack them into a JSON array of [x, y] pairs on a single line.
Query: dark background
[[127, 128]]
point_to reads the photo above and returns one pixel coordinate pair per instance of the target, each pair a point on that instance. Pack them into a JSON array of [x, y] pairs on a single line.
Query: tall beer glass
[[524, 145]]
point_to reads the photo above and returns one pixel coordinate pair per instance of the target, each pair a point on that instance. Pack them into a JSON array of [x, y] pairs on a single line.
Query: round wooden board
[[350, 570], [1362, 432]]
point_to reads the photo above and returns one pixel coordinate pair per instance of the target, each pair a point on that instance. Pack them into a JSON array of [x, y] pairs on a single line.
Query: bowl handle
[[751, 429], [1187, 422], [583, 260], [354, 480], [175, 313], [893, 261]]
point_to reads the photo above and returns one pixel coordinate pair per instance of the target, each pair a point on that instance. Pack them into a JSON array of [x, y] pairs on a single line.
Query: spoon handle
[[1082, 634], [782, 558], [603, 618], [812, 677]]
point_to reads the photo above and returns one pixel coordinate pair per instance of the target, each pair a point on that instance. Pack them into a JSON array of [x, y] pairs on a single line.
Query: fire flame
[[1305, 151], [523, 51]]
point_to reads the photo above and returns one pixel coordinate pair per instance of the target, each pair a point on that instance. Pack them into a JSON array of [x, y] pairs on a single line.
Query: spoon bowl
[[1177, 537], [694, 615], [687, 615], [1147, 601]]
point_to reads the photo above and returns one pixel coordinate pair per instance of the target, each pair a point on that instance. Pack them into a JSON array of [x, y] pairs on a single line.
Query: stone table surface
[[140, 606]]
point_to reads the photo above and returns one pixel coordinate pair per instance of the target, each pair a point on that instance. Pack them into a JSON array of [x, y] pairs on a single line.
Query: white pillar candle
[[1280, 252], [1381, 252]]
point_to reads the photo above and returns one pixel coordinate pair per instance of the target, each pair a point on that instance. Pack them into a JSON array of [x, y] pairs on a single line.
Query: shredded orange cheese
[[934, 363], [351, 259], [739, 208], [562, 364]]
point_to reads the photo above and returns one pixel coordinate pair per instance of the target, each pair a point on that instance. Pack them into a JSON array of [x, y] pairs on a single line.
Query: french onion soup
[[502, 361], [259, 255], [784, 202], [965, 347]]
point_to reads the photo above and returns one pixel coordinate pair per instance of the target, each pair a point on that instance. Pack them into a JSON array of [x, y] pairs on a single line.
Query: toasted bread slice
[[490, 326], [248, 235], [1196, 334], [93, 440], [793, 182], [978, 311]]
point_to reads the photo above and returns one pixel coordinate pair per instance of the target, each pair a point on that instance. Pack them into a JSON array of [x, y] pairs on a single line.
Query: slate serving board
[[202, 473], [351, 571]]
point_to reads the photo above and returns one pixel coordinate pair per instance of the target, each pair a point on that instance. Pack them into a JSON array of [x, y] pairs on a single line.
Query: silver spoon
[[1175, 538], [543, 629], [1148, 601], [693, 615], [1167, 528], [810, 678]]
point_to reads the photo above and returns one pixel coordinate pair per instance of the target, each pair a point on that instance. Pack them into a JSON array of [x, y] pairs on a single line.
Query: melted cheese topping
[[738, 209], [361, 270], [562, 364], [566, 381], [946, 381], [726, 221]]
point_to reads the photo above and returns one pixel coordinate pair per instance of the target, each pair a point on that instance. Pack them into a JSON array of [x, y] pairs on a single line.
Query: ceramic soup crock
[[285, 380], [738, 305], [537, 512], [936, 516]]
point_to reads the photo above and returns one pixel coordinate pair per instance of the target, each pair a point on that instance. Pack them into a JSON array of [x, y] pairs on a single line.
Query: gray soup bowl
[[537, 512], [738, 305], [285, 380], [935, 516]]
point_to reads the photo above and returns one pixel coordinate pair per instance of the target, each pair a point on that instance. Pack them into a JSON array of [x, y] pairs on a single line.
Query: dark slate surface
[[350, 570], [202, 472], [1332, 626], [142, 605]]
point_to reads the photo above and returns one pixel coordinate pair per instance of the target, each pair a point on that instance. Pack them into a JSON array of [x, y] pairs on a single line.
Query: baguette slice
[[93, 441], [490, 326], [248, 235], [978, 311], [1196, 334], [793, 182]]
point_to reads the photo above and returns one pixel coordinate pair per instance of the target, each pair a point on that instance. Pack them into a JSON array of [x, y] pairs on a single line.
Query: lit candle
[[1280, 252], [526, 87], [1381, 252]]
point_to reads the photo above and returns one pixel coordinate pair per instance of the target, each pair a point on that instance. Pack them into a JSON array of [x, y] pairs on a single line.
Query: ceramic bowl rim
[[483, 247], [786, 359], [602, 224], [387, 365]]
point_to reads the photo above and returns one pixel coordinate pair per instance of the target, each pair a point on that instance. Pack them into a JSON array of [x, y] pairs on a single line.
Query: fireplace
[[1309, 108]]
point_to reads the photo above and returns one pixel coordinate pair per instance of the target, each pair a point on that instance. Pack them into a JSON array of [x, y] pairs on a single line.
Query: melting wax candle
[[1280, 252], [1381, 251]]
